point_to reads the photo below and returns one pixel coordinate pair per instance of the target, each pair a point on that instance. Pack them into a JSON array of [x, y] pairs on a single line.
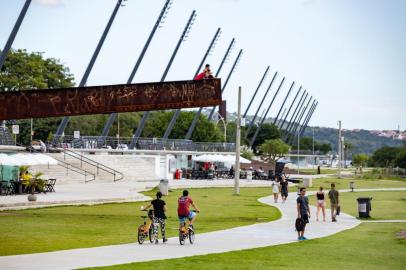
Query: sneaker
[[299, 238], [333, 220], [156, 242], [304, 238], [165, 240]]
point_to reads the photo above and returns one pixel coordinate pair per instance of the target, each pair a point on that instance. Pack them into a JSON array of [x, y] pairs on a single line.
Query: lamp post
[[298, 150], [237, 147], [339, 149], [313, 150]]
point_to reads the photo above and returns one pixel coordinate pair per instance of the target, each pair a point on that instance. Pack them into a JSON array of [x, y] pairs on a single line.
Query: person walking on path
[[284, 188], [275, 189], [321, 204], [159, 207], [334, 202], [303, 212]]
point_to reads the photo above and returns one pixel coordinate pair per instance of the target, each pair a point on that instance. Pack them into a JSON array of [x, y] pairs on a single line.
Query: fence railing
[[93, 142]]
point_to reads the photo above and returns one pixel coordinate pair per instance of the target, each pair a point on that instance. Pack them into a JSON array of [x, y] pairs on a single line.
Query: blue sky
[[350, 55]]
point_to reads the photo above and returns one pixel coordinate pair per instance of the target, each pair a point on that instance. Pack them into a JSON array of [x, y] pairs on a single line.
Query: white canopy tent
[[22, 159], [8, 160], [229, 159]]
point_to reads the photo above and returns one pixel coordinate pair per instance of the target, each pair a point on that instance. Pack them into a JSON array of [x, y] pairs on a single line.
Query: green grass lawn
[[68, 227], [344, 183], [368, 246], [385, 204]]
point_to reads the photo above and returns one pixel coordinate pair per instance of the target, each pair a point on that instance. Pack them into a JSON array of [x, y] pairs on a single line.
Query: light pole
[[237, 147], [314, 160], [298, 150], [339, 149]]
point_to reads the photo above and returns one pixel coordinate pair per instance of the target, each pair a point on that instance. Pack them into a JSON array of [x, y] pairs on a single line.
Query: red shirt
[[200, 76], [183, 206]]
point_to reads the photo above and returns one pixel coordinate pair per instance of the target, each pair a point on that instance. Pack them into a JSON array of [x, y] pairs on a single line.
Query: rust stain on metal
[[109, 98]]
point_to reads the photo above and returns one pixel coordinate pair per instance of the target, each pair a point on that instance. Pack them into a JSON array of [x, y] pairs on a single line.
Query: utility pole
[[65, 120], [260, 105], [298, 153], [256, 91], [158, 23], [267, 111], [199, 111], [225, 84], [339, 149], [237, 146], [186, 30], [177, 112]]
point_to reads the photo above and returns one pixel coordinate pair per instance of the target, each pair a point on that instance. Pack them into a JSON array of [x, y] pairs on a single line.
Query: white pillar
[[237, 146], [339, 149]]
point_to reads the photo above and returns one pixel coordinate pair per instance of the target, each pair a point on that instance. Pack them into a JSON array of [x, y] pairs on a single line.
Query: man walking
[[334, 202], [303, 212]]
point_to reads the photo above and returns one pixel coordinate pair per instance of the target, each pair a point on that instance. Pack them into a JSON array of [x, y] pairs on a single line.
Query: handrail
[[96, 164], [78, 170]]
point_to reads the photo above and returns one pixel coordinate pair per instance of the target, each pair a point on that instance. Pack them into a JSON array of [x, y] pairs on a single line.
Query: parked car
[[122, 146], [38, 146]]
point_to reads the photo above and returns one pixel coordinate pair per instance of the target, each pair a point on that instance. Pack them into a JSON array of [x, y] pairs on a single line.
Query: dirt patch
[[401, 235]]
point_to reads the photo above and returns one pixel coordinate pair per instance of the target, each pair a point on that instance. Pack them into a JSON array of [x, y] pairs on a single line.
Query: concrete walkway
[[259, 235]]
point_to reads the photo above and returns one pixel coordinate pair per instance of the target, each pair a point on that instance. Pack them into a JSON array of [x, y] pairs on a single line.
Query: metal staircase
[[5, 136]]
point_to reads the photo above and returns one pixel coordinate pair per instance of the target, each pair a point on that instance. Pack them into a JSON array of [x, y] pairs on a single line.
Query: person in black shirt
[[284, 188], [303, 211], [159, 207]]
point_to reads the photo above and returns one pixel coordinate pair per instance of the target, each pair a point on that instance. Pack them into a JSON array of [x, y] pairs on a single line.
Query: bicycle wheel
[[191, 236], [181, 238], [151, 233], [141, 234]]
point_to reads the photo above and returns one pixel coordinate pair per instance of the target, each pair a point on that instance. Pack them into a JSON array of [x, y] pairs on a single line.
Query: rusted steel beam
[[109, 98]]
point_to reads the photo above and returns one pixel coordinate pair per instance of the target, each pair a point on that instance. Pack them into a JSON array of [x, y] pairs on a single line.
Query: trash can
[[364, 207], [249, 175], [307, 182], [164, 186]]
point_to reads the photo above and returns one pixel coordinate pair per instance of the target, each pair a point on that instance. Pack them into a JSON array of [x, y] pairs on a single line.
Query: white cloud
[[49, 3]]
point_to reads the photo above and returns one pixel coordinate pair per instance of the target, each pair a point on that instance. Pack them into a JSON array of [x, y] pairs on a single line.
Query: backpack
[[299, 224]]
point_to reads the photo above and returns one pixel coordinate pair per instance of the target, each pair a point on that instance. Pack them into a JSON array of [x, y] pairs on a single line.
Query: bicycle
[[185, 233], [146, 230]]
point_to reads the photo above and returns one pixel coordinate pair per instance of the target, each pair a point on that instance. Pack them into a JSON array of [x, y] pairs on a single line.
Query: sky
[[350, 55]]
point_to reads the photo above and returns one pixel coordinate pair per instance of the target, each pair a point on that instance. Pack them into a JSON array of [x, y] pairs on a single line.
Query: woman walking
[[321, 204], [275, 189]]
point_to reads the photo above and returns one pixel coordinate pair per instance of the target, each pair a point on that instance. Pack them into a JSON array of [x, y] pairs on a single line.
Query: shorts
[[284, 193], [320, 203], [191, 215], [305, 217]]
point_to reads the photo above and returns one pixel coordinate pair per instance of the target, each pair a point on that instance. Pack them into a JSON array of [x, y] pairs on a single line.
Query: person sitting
[[231, 172]]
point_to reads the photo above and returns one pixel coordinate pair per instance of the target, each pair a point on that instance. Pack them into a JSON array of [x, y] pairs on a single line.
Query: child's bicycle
[[186, 232], [146, 230]]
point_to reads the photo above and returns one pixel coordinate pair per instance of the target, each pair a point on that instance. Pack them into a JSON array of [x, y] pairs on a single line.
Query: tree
[[385, 156], [27, 71], [274, 150], [400, 160], [246, 152], [267, 132], [359, 161]]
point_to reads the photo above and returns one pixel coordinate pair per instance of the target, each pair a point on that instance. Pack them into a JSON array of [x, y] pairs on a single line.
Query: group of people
[[159, 209], [280, 185], [303, 209]]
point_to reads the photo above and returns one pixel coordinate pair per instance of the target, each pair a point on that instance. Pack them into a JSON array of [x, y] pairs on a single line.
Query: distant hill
[[363, 141]]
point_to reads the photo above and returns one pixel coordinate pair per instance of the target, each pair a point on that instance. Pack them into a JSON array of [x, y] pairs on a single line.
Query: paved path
[[385, 221], [259, 235]]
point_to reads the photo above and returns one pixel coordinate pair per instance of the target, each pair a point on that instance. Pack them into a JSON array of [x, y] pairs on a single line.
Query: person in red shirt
[[184, 212], [205, 74]]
